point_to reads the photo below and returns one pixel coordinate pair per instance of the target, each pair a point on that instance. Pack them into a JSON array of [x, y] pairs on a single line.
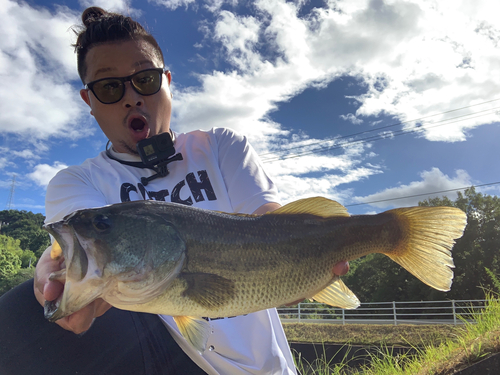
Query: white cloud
[[319, 175], [351, 118], [119, 6], [211, 5], [37, 64], [239, 35], [3, 162], [26, 154], [416, 191], [43, 173], [174, 4], [417, 58]]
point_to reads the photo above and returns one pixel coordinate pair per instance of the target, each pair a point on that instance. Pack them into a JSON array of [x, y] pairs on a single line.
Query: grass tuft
[[440, 350]]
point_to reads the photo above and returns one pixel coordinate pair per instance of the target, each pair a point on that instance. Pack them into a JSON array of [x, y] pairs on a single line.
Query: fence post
[[394, 312], [343, 317], [454, 312], [298, 307]]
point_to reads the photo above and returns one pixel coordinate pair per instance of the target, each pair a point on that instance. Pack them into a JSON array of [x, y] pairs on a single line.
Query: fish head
[[120, 253]]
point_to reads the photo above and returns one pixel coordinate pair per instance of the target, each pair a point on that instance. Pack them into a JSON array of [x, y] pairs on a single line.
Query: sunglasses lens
[[108, 90], [147, 82]]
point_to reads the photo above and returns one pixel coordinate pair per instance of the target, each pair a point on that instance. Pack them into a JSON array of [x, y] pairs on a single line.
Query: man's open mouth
[[137, 125]]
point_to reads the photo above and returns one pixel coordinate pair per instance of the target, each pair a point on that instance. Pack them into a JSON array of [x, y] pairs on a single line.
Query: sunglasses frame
[[90, 85]]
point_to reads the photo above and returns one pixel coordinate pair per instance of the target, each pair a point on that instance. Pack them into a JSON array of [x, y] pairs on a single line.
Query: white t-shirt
[[219, 171]]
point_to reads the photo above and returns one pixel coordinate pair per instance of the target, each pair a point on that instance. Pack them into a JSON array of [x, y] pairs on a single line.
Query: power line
[[420, 195], [379, 136], [395, 124], [392, 125]]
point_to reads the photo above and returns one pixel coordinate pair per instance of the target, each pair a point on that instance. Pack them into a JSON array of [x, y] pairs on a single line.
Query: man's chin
[[130, 150]]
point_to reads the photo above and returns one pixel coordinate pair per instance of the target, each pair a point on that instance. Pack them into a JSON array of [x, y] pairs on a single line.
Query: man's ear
[[169, 77], [84, 93]]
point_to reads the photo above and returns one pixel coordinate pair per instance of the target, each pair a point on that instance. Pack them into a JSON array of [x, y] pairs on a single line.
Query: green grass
[[441, 350]]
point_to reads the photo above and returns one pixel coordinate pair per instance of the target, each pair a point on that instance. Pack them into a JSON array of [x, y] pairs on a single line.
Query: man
[[129, 95]]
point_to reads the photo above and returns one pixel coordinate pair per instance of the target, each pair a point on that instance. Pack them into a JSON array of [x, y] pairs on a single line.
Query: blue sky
[[402, 97]]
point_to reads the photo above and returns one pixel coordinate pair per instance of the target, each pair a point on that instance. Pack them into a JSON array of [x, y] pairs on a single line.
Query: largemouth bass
[[171, 259]]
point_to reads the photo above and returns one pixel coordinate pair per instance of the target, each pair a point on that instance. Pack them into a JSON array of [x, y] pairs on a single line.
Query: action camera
[[155, 150]]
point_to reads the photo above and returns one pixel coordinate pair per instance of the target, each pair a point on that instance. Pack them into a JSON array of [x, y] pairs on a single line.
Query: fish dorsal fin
[[317, 206], [338, 294], [195, 330]]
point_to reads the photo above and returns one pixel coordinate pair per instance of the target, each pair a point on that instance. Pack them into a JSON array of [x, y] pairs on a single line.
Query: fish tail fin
[[428, 237]]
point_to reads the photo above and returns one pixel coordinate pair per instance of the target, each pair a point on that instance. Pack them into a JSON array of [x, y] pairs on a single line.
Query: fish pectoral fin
[[317, 206], [208, 290], [195, 330], [338, 294]]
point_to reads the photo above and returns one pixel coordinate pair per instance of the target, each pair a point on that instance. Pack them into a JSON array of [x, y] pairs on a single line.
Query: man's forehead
[[136, 65], [120, 58]]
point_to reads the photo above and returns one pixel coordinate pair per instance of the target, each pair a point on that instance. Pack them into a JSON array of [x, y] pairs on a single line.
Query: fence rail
[[414, 312]]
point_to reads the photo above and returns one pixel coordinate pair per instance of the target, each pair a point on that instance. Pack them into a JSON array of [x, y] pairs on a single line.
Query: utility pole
[[11, 195]]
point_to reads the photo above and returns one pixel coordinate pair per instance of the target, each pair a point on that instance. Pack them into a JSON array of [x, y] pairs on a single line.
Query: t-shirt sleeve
[[247, 184], [69, 191]]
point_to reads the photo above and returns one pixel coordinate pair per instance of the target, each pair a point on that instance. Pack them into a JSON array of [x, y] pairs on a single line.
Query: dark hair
[[101, 27]]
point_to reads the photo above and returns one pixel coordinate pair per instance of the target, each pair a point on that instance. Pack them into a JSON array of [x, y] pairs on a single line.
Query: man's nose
[[132, 98]]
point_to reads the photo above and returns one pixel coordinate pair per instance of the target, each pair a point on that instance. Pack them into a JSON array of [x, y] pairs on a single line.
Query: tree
[[27, 228], [479, 247], [10, 263], [21, 276], [377, 278]]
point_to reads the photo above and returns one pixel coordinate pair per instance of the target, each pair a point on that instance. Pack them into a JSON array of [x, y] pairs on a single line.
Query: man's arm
[[265, 208]]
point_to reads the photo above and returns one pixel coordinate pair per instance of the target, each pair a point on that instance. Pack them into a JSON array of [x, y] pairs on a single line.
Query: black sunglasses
[[111, 90]]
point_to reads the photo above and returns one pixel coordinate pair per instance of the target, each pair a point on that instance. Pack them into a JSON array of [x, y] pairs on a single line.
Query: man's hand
[[49, 290], [341, 268]]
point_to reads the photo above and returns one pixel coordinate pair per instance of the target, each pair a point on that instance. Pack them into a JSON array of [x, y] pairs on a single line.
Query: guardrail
[[414, 312]]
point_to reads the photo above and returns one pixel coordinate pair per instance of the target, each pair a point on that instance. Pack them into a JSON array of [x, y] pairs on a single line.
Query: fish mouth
[[74, 269], [96, 270]]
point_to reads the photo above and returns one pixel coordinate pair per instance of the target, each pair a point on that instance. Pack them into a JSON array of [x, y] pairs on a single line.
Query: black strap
[[160, 169], [136, 164]]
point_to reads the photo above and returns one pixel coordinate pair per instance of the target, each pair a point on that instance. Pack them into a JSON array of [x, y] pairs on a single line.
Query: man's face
[[135, 116]]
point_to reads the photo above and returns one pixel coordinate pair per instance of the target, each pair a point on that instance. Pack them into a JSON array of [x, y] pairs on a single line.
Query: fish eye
[[101, 223]]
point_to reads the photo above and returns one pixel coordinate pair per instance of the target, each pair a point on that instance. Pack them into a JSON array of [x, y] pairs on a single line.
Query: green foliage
[[377, 278], [494, 279], [22, 241], [26, 227], [10, 263], [21, 276]]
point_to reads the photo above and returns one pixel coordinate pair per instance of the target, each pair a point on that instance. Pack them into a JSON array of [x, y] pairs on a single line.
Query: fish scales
[[266, 257], [187, 262]]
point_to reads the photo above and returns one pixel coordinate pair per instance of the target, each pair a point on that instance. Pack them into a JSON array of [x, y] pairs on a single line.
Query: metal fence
[[414, 312]]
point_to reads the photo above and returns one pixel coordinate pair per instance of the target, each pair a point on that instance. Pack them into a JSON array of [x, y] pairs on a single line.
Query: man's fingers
[[82, 320], [341, 268], [42, 284], [52, 290], [79, 321]]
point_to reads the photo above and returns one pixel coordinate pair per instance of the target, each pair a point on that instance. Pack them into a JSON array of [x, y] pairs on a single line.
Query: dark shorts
[[119, 343]]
